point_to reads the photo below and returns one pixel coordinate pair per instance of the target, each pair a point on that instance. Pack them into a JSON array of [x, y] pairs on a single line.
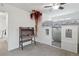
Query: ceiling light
[[56, 7]]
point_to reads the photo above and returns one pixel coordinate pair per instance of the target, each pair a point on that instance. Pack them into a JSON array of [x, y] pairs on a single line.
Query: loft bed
[[25, 34]]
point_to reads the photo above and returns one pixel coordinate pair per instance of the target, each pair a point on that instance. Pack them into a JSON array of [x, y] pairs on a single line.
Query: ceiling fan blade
[[61, 8], [47, 6], [62, 3]]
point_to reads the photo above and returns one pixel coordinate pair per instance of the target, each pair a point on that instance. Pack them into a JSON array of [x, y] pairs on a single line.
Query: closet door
[[69, 38], [56, 34]]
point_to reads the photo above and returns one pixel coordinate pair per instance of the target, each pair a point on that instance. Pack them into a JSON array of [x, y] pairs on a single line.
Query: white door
[[69, 37]]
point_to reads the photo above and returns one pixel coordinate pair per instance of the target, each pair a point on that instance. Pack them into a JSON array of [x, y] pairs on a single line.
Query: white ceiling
[[28, 6], [39, 6], [69, 9]]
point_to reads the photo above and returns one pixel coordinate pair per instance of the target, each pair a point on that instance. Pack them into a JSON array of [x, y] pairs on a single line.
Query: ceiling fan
[[55, 6]]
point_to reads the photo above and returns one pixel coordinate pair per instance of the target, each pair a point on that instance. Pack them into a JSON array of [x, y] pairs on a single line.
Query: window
[[47, 31], [68, 33]]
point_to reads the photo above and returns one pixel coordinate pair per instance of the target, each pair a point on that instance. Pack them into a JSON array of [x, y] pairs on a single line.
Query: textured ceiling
[[70, 11], [68, 8], [28, 6]]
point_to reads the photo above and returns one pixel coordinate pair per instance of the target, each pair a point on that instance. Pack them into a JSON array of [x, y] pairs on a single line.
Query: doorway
[[3, 32], [56, 35]]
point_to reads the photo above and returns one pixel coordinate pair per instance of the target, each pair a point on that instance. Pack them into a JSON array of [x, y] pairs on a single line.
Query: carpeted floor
[[3, 47], [57, 44], [40, 50]]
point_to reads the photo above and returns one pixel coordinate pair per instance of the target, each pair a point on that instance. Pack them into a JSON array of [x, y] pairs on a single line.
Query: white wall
[[43, 37], [16, 19], [2, 22]]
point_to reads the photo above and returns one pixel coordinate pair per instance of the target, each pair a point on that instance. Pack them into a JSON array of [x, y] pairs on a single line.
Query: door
[[56, 35], [69, 38]]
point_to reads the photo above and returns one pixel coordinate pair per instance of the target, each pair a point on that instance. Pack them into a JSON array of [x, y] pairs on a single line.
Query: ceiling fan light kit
[[56, 7]]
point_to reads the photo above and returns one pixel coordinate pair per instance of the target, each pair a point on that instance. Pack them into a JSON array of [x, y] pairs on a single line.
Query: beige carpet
[[3, 47], [40, 50]]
